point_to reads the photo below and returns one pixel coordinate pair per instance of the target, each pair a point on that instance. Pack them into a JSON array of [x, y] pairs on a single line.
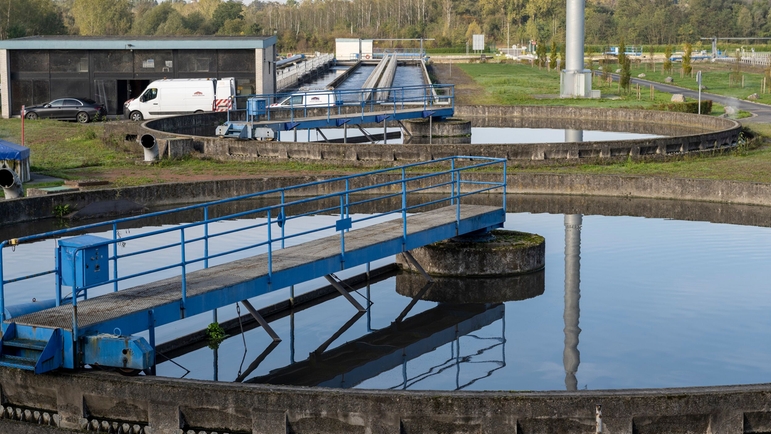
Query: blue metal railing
[[401, 53], [398, 98], [405, 185]]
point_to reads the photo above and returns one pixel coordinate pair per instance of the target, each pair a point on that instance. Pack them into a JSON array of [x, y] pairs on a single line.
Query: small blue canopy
[[12, 151]]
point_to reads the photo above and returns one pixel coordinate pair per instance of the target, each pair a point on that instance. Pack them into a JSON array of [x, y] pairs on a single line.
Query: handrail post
[[347, 197], [114, 257], [504, 186], [270, 250], [404, 209], [57, 274], [206, 237], [282, 215], [457, 208], [342, 231], [184, 272], [452, 182], [74, 311]]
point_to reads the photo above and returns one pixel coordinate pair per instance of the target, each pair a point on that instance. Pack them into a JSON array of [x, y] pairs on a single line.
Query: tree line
[[302, 25]]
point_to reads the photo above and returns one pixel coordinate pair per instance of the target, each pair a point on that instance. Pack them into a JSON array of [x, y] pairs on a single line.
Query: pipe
[[25, 308], [11, 183], [150, 146]]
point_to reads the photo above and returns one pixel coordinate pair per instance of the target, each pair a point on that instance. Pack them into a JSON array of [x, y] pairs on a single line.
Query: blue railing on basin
[[394, 191], [368, 100]]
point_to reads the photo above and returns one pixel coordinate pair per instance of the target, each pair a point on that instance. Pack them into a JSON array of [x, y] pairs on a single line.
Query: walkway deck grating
[[361, 245]]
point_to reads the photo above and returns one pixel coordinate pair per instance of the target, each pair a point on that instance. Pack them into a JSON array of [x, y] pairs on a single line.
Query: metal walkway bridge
[[315, 109], [294, 73], [195, 269]]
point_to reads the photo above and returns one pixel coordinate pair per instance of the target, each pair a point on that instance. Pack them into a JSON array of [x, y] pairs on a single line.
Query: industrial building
[[354, 49], [111, 70]]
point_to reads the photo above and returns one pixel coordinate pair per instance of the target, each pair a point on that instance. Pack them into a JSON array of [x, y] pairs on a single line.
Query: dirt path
[[467, 91]]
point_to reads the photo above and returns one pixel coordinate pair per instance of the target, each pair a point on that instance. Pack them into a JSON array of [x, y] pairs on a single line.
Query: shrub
[[686, 107]]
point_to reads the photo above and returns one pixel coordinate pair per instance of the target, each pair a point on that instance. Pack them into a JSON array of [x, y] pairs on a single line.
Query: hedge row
[[687, 107]]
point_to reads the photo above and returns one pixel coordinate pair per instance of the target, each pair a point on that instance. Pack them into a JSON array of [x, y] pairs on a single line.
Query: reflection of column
[[573, 136], [571, 357]]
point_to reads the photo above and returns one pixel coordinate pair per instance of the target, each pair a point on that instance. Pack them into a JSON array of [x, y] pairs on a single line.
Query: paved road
[[761, 112]]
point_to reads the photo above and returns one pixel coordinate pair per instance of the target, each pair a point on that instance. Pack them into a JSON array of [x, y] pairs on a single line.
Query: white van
[[313, 98], [179, 96]]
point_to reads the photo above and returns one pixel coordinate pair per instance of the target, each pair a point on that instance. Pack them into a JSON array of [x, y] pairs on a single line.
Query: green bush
[[686, 107]]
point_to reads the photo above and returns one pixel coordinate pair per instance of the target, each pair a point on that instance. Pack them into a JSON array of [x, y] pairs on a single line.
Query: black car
[[68, 109]]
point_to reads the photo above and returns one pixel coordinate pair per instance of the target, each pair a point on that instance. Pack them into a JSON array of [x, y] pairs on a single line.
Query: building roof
[[138, 43], [12, 151]]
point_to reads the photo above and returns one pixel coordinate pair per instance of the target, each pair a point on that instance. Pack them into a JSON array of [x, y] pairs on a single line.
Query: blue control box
[[256, 106], [83, 263]]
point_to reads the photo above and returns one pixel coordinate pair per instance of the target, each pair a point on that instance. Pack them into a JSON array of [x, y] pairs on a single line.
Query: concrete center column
[[575, 80]]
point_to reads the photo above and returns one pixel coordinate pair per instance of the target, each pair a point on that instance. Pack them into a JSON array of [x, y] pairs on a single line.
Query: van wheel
[[198, 111], [82, 117], [136, 116]]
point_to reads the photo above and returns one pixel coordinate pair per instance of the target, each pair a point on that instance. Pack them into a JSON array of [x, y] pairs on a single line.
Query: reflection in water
[[571, 357], [717, 304], [370, 355], [573, 136], [584, 124]]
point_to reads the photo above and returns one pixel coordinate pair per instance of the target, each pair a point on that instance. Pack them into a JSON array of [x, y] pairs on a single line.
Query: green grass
[[57, 147], [749, 166], [75, 151], [720, 79], [519, 84]]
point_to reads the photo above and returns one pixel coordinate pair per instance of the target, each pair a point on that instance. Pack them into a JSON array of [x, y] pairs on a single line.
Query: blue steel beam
[[336, 120]]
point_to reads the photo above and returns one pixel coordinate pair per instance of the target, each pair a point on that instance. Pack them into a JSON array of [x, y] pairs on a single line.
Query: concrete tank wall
[[76, 401], [716, 133], [73, 402], [734, 192]]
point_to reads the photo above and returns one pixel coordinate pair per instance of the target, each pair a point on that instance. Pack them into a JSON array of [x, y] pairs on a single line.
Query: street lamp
[[698, 83]]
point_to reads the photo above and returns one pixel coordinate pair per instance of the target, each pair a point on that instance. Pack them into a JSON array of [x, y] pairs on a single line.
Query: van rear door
[[226, 87]]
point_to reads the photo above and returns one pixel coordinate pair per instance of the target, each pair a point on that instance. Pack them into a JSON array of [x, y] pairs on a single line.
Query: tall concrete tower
[[575, 80]]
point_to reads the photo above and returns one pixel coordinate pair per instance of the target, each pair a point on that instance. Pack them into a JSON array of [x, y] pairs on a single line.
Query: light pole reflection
[[571, 356]]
